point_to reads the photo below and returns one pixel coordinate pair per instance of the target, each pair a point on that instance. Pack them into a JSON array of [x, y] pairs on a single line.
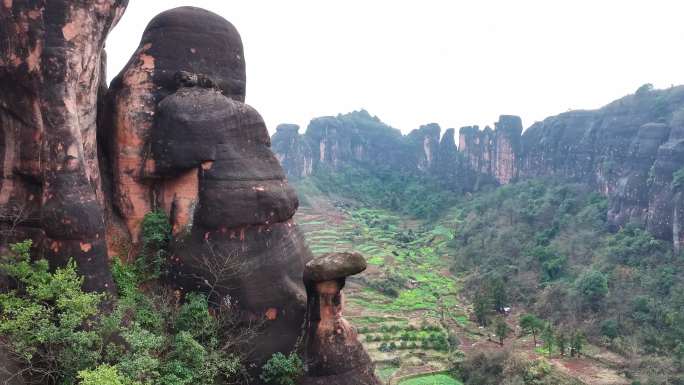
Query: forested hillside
[[539, 252]]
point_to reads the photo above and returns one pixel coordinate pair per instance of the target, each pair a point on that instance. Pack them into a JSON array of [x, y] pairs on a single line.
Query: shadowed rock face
[[627, 151], [334, 356], [183, 140], [351, 139], [182, 39], [51, 69], [292, 151]]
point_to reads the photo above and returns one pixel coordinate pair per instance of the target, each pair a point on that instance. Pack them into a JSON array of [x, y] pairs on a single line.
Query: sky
[[452, 62]]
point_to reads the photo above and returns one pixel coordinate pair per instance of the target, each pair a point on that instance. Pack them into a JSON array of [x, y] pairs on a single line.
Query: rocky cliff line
[[83, 163], [628, 150]]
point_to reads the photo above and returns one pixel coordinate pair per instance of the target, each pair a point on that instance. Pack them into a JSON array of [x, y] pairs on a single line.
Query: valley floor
[[407, 305]]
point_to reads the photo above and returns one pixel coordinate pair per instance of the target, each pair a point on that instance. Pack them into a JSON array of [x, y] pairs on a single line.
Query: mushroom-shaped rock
[[332, 266], [333, 353]]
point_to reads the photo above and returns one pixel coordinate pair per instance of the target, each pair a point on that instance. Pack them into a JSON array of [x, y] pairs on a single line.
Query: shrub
[[102, 375], [593, 287], [610, 328], [155, 236], [48, 319], [194, 318], [281, 369]]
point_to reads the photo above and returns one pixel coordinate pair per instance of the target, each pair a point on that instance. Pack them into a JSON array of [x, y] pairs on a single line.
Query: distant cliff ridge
[[628, 150]]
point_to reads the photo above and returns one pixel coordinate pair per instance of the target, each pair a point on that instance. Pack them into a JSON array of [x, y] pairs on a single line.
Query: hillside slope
[[628, 150]]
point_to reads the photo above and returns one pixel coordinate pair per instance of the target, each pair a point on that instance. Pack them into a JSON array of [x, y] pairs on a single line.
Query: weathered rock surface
[[51, 70], [333, 355], [292, 151], [331, 266], [182, 140], [82, 165], [628, 150], [358, 138]]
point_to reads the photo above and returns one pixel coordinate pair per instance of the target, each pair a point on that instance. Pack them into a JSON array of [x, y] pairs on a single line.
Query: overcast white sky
[[457, 63]]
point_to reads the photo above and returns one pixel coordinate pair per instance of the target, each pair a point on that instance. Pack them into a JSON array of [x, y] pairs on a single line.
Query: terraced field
[[406, 300], [407, 305]]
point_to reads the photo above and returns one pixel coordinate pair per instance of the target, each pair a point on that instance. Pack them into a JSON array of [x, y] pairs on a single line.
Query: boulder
[[332, 266]]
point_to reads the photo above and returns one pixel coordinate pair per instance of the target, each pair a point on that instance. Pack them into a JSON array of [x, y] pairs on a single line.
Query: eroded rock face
[[183, 140], [51, 62], [358, 139], [333, 353], [183, 39], [627, 151], [292, 151], [493, 152]]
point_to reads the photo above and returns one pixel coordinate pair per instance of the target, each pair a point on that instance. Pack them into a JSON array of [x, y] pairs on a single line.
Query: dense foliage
[[155, 236], [47, 319], [282, 370], [63, 335], [551, 247], [418, 196]]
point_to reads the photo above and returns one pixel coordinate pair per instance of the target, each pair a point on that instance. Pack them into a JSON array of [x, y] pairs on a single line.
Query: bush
[[194, 318], [48, 319], [155, 236], [102, 375], [282, 370], [610, 328], [56, 328], [593, 287]]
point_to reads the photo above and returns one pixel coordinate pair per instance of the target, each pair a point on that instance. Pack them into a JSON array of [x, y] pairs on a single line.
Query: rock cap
[[331, 266]]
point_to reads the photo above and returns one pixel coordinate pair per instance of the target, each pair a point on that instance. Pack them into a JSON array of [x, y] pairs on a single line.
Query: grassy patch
[[386, 372], [432, 379]]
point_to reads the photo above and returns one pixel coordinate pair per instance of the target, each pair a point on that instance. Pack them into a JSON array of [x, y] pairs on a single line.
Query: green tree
[[593, 287], [576, 343], [281, 369], [549, 337], [561, 342], [530, 324], [610, 328], [155, 236], [481, 308], [102, 375], [644, 89], [48, 320], [501, 328], [497, 291]]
